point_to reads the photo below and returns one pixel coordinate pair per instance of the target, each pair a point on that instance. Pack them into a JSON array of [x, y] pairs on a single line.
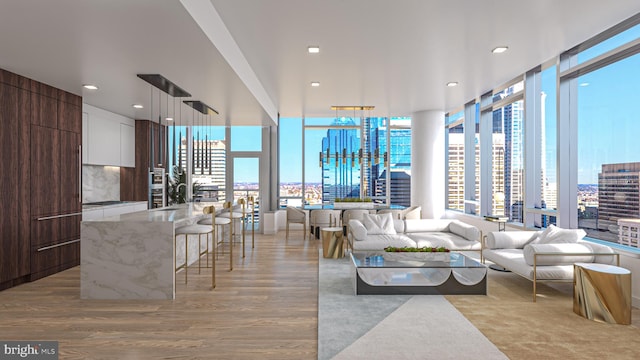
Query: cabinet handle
[[59, 216], [58, 245], [80, 174]]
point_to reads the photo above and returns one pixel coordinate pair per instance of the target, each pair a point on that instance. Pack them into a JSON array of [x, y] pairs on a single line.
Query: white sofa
[[544, 255], [452, 234]]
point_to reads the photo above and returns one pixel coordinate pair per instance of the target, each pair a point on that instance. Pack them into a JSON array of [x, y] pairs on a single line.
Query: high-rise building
[[509, 121], [340, 175], [399, 158], [618, 193]]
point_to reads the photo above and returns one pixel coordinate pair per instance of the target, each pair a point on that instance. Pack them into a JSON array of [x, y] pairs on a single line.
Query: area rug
[[389, 326]]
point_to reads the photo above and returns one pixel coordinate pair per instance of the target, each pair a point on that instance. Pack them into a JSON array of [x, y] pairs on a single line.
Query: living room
[[541, 133]]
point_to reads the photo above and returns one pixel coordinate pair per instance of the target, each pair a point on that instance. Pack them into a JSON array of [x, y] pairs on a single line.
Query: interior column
[[427, 162]]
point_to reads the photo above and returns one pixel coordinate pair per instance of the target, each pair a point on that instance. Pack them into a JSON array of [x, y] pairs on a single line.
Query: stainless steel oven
[[157, 188]]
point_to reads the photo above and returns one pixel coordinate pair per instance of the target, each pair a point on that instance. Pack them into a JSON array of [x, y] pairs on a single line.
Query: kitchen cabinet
[[40, 176], [127, 145], [110, 138], [14, 176], [55, 200], [150, 140]]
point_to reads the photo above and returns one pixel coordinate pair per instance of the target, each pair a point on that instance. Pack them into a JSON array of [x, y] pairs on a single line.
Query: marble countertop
[[173, 213], [123, 203]]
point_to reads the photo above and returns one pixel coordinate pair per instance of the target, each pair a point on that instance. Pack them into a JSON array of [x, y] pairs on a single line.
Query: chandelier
[[341, 155]]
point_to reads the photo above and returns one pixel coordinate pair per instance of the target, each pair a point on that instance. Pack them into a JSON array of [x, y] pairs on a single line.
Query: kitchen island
[[131, 256]]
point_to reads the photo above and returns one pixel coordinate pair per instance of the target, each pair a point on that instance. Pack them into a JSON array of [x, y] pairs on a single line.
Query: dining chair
[[413, 212], [323, 218], [395, 213], [296, 216]]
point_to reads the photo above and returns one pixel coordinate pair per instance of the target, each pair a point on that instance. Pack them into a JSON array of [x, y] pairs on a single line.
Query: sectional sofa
[[364, 235], [546, 255]]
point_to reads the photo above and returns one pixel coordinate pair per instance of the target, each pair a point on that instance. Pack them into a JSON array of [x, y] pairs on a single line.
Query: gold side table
[[332, 242], [602, 293]]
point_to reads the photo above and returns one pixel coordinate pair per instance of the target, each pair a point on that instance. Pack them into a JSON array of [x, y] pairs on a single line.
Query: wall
[[100, 183], [628, 260]]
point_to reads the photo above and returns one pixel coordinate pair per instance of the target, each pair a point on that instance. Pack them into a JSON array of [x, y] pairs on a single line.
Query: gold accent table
[[332, 242], [602, 293]]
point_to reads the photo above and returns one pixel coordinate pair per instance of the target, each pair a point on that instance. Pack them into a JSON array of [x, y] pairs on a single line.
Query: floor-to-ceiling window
[[290, 161], [351, 156], [608, 184], [455, 160]]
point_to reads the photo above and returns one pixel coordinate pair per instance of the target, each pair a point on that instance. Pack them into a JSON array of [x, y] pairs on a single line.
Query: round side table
[[602, 292], [332, 242]]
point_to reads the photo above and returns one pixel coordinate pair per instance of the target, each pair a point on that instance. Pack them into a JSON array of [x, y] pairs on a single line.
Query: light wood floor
[[266, 308]]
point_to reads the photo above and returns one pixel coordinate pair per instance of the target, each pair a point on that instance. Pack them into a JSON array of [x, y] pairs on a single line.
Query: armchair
[[296, 216]]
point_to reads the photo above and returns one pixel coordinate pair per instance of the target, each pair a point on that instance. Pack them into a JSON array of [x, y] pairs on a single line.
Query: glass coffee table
[[417, 273]]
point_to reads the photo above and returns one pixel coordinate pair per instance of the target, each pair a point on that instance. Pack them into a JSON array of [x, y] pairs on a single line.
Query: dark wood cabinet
[[69, 112], [40, 139], [44, 111], [55, 199], [150, 152], [14, 177]]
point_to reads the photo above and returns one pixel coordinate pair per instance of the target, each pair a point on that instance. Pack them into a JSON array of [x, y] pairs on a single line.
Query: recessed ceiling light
[[315, 83], [452, 83], [313, 49], [500, 49], [137, 106], [90, 87], [584, 84], [169, 119]]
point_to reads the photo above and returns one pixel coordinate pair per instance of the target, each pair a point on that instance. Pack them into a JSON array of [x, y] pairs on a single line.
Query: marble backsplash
[[100, 183]]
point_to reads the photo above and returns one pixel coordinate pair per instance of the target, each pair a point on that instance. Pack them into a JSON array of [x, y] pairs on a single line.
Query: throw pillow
[[358, 230], [381, 224], [556, 235]]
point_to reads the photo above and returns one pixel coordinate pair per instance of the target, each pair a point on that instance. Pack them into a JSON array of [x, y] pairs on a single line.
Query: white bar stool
[[216, 222], [199, 230]]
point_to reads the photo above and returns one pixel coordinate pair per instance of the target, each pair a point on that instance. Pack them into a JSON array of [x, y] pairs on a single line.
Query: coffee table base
[[450, 287]]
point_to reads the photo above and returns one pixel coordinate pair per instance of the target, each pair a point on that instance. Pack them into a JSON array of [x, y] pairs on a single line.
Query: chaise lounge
[[546, 255]]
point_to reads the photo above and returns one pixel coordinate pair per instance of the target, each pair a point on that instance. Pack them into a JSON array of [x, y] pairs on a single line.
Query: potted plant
[[177, 189]]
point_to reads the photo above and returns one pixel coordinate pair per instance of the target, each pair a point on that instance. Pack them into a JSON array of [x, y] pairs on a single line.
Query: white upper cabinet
[[127, 145], [108, 138]]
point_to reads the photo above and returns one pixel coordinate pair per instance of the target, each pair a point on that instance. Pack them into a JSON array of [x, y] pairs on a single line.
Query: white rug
[[390, 327]]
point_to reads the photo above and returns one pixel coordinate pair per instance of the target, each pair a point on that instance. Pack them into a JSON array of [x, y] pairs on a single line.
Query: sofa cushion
[[466, 231], [601, 249], [555, 235], [510, 239], [381, 224], [426, 225], [531, 249], [398, 225], [513, 259], [446, 239], [358, 230], [379, 242]]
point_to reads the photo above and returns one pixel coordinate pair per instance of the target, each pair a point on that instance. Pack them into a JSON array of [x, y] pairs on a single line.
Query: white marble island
[[131, 256]]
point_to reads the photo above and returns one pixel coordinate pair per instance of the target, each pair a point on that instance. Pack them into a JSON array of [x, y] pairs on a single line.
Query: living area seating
[[546, 255], [376, 232]]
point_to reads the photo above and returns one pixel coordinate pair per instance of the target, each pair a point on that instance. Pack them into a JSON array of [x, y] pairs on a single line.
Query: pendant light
[[193, 148]]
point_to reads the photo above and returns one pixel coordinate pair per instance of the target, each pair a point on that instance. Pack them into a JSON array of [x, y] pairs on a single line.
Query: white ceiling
[[396, 55]]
